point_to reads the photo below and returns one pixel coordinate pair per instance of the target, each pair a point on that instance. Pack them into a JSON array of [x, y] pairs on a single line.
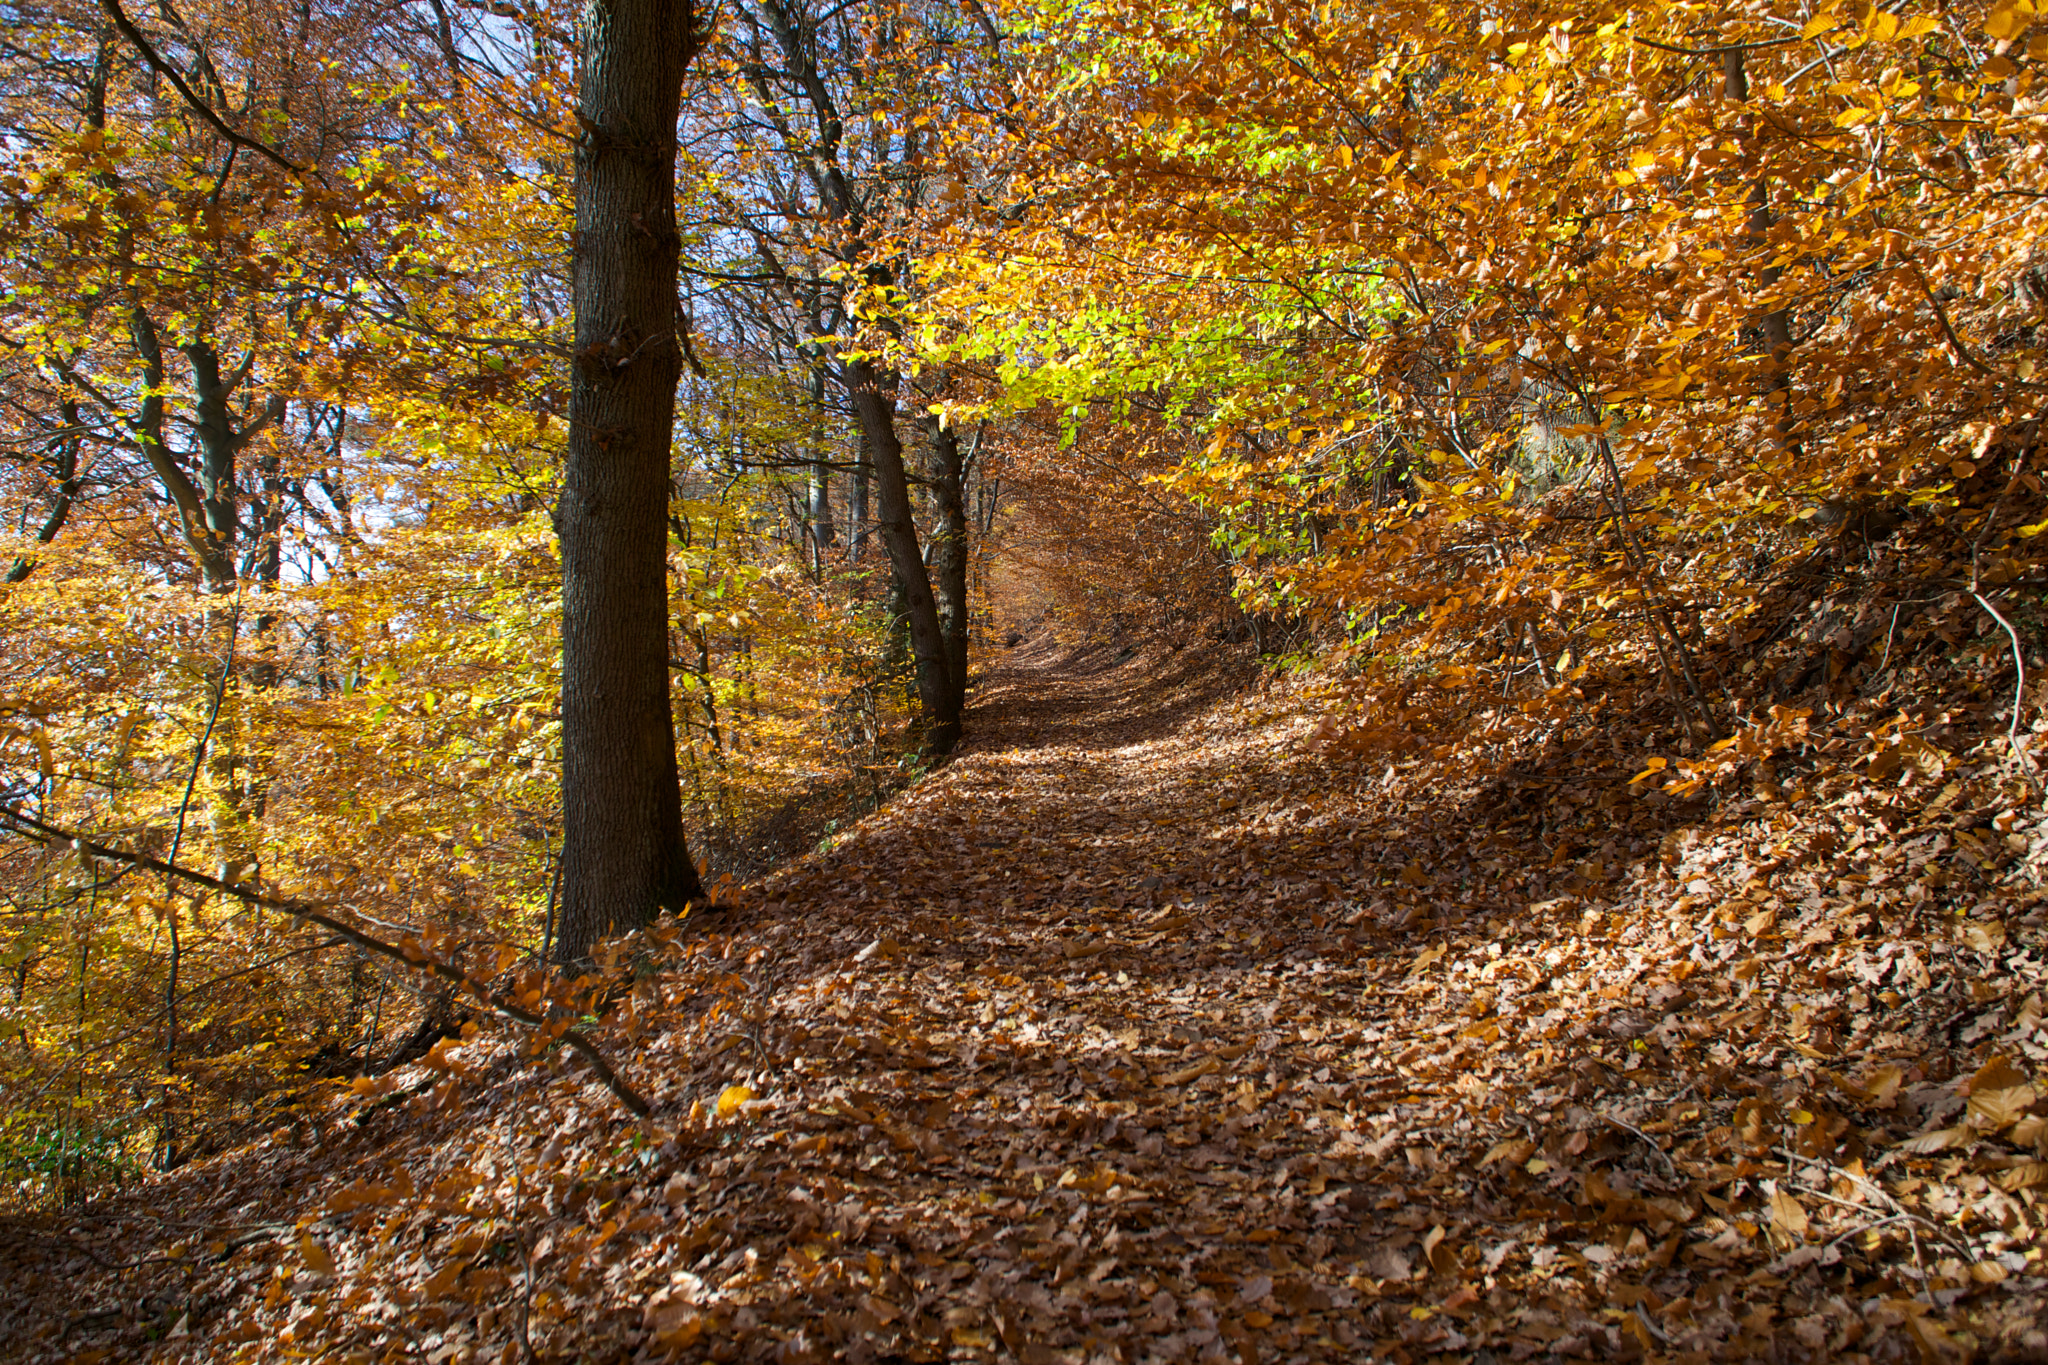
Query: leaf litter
[[1148, 1030]]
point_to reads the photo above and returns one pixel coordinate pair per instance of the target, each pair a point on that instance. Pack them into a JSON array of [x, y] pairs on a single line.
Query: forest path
[[1142, 1032]]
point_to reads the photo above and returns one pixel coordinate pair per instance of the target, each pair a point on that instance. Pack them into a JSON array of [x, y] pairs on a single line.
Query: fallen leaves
[[1263, 1119]]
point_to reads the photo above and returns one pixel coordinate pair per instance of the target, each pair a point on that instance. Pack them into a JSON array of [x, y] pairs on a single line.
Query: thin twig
[[1870, 1227], [1718, 49], [2019, 686], [2019, 658], [1876, 1190], [1662, 1155]]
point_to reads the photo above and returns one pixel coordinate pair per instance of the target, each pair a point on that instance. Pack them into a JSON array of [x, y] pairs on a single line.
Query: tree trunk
[[949, 555], [624, 857], [64, 465], [857, 513], [893, 521], [818, 509], [1776, 325]]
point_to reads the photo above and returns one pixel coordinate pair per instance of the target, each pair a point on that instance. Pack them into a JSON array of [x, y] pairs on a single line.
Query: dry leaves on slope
[[1615, 1076]]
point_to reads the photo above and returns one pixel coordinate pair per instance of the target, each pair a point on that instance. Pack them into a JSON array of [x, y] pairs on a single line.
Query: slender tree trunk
[[65, 466], [819, 501], [265, 568], [857, 513], [624, 856], [935, 690], [949, 555], [1776, 325]]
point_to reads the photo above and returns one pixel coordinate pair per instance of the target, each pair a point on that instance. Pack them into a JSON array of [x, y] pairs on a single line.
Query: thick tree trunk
[[893, 521], [949, 555], [210, 553], [623, 853]]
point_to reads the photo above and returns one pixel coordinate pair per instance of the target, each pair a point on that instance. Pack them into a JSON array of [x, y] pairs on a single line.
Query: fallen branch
[[410, 955]]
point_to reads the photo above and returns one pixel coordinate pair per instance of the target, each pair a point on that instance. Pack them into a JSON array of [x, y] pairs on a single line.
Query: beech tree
[[830, 198], [624, 856]]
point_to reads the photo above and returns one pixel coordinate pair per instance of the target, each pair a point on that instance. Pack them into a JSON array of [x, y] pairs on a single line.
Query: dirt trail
[[1136, 1032]]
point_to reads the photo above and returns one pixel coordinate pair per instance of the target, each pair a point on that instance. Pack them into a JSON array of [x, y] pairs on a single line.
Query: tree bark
[[949, 555], [894, 522], [64, 465], [1776, 325], [624, 856], [818, 503], [857, 513]]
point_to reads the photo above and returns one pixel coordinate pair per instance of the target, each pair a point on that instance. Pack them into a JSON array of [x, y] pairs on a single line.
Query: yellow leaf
[[1819, 24], [2005, 22], [731, 1098], [316, 1257], [1427, 957]]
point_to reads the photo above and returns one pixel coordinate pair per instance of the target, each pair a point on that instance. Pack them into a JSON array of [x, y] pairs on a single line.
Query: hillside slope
[[1144, 1030]]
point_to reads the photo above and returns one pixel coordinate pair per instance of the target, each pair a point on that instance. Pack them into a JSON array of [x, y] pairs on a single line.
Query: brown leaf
[[1940, 1140], [1999, 1096], [1787, 1213]]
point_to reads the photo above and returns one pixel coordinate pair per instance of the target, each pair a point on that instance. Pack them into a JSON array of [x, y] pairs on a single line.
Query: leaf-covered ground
[[1144, 1031]]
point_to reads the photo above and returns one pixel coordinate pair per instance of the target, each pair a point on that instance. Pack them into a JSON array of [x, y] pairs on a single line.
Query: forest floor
[[1143, 1031]]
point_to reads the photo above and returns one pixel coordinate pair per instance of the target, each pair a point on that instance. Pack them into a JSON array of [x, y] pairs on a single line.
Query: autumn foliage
[[1496, 552]]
